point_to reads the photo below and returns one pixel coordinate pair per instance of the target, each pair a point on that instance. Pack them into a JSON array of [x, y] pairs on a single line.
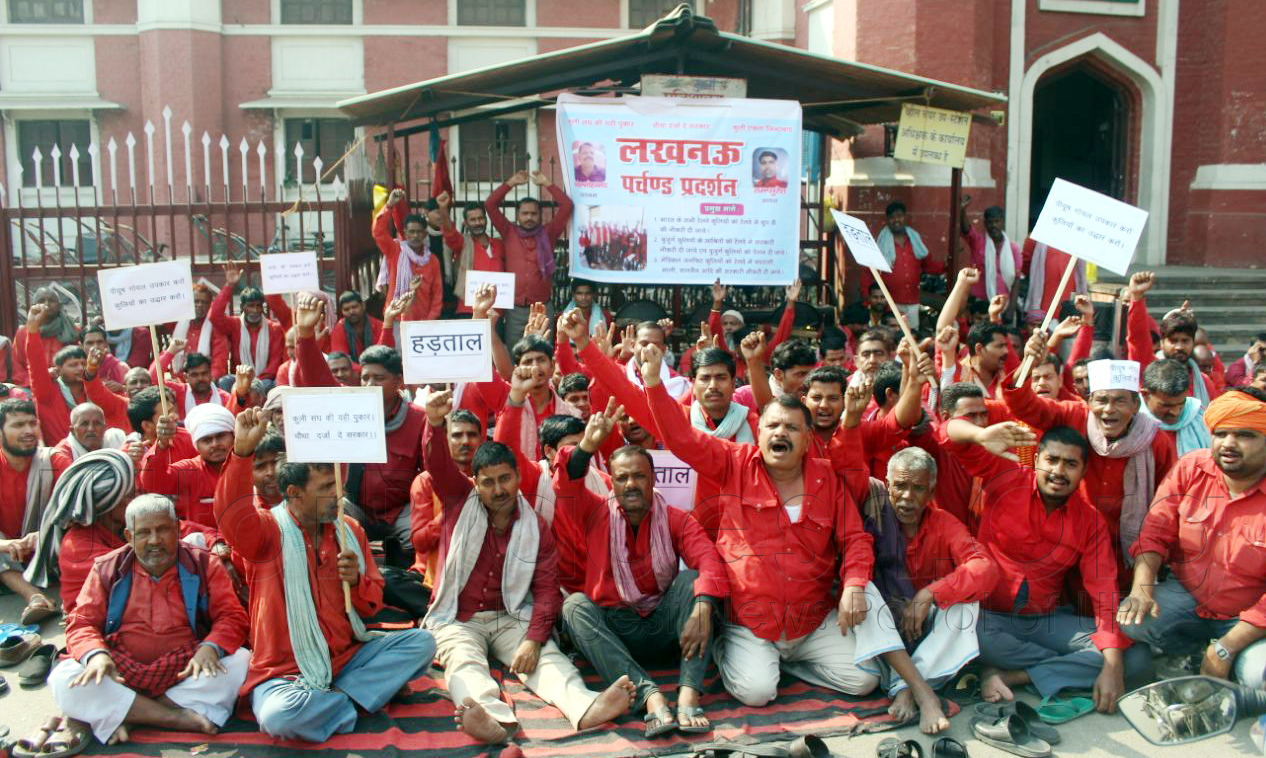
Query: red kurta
[[903, 282], [491, 257], [530, 285], [781, 574], [944, 557], [1140, 347], [429, 299], [219, 346], [50, 405], [12, 498], [1215, 544], [23, 356], [114, 406], [155, 621], [1103, 485], [253, 533], [190, 482], [231, 328], [339, 343], [1030, 544]]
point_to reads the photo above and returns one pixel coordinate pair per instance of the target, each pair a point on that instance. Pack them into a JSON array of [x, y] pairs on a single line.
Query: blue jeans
[[373, 675], [1179, 631]]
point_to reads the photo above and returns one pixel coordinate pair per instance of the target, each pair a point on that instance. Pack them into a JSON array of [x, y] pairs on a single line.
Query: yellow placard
[[932, 135]]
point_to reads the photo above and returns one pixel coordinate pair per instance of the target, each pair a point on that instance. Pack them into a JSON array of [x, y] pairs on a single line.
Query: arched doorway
[[1080, 123]]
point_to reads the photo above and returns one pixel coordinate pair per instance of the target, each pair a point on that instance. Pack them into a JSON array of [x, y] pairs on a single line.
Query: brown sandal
[[34, 746], [35, 612]]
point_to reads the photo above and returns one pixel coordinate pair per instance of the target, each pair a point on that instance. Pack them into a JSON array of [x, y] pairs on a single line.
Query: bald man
[[88, 432]]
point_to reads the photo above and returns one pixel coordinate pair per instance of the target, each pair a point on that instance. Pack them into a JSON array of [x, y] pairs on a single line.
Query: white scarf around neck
[[259, 358], [998, 258]]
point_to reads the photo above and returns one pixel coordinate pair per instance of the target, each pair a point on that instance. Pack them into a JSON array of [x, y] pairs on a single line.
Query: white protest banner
[[682, 191], [446, 351], [860, 241], [149, 293], [674, 479], [334, 424], [932, 135], [289, 272], [503, 281], [1092, 226], [680, 86]]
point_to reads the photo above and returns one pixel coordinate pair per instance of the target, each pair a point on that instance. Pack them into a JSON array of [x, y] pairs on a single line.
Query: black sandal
[[895, 748], [666, 722], [692, 712]]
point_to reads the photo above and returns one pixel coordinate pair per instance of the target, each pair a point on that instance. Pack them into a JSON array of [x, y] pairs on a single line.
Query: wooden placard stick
[[338, 530], [1046, 322], [162, 384], [896, 312]]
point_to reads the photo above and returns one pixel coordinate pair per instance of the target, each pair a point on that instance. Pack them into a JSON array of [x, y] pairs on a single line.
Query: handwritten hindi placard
[[334, 424], [860, 241], [446, 351], [932, 135], [289, 272], [675, 480], [1090, 225], [503, 281], [149, 293]]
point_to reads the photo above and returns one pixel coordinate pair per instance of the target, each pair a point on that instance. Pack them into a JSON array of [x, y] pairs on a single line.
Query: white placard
[[334, 425], [149, 293], [289, 272], [860, 241], [446, 351], [675, 480], [1092, 226], [503, 281]]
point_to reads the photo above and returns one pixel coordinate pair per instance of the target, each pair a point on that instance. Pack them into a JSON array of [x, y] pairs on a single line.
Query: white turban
[[208, 420], [735, 314]]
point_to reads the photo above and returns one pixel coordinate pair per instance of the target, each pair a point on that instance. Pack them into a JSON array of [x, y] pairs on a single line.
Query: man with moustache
[[1037, 526], [473, 249], [1206, 524], [1165, 398], [201, 336], [156, 636], [26, 483], [55, 397], [88, 432], [464, 435], [190, 481], [355, 331], [313, 662], [1178, 337]]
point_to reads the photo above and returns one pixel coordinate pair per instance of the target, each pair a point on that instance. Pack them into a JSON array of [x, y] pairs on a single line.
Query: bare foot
[[688, 697], [196, 722], [472, 719], [931, 718], [119, 737], [614, 701], [992, 688], [902, 708]]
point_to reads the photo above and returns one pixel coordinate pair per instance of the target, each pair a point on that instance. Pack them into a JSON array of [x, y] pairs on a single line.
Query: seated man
[[156, 637], [1206, 522], [635, 599], [192, 480], [356, 331], [465, 434], [1165, 398], [785, 522], [136, 379], [574, 389], [55, 397], [313, 662], [198, 386], [1035, 540], [26, 483], [930, 571], [88, 432], [254, 340], [490, 532]]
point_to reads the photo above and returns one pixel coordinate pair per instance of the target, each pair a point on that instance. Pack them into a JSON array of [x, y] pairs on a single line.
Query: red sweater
[[50, 405], [231, 328], [530, 284]]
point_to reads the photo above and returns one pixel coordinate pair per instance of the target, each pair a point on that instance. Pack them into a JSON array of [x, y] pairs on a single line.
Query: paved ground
[[1093, 736]]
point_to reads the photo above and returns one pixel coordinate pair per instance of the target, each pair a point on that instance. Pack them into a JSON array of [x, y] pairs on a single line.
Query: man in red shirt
[[409, 259], [356, 331], [1208, 522], [929, 569], [473, 251], [767, 164], [201, 336], [1178, 337], [190, 481], [1241, 371], [1037, 527], [497, 593], [1129, 454], [254, 340], [26, 483], [88, 432], [54, 397], [785, 521], [313, 662], [157, 635], [908, 258], [465, 433], [635, 599], [529, 245], [55, 330], [198, 386]]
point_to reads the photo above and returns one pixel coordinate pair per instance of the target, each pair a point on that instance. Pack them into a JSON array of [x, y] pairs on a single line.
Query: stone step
[[1172, 298]]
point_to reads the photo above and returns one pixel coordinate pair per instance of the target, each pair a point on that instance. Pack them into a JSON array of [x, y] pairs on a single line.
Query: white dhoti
[[949, 644], [104, 707], [463, 647], [750, 666]]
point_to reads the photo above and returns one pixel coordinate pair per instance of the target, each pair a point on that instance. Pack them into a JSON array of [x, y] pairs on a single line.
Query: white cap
[[1113, 375]]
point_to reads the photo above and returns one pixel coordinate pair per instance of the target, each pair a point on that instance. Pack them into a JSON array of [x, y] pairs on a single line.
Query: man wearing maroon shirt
[[497, 593], [529, 245], [908, 258], [1207, 523]]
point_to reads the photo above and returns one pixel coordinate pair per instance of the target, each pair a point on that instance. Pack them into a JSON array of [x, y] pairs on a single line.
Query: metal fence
[[162, 197]]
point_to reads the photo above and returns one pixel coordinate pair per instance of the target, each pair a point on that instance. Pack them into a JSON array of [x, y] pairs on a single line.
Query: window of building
[[1100, 7], [316, 11], [46, 134], [643, 13], [492, 12], [46, 11], [324, 137], [492, 150]]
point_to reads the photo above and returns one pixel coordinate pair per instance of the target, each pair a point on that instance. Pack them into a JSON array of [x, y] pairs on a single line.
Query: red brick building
[[1141, 99]]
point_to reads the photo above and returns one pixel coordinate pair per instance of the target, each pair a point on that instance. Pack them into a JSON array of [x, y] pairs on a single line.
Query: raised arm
[[381, 230], [41, 384], [250, 533], [493, 204], [709, 455], [1138, 330], [957, 298], [510, 417], [217, 313], [607, 373], [788, 320], [1040, 412], [562, 211], [755, 353], [280, 312], [447, 479], [311, 370]]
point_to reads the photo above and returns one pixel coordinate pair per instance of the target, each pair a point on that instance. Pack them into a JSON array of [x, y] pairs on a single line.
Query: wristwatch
[[1220, 650]]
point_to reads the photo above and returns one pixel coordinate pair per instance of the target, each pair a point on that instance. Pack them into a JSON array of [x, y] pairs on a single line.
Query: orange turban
[[1236, 410]]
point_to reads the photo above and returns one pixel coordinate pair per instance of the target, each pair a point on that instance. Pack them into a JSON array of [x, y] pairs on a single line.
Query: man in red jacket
[[144, 649], [54, 397], [785, 521], [356, 331], [254, 339], [529, 245], [408, 259]]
